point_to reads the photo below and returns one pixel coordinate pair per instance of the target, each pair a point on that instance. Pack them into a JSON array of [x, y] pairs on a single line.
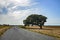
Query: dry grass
[[47, 30], [3, 29]]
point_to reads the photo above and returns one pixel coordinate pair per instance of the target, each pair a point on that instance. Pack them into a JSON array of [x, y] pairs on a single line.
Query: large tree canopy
[[35, 19]]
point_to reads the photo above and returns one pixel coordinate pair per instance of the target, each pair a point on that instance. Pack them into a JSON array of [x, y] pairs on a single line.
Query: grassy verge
[[21, 26], [3, 29], [49, 30]]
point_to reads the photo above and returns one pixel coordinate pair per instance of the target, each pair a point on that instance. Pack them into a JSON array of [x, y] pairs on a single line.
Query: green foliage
[[35, 19]]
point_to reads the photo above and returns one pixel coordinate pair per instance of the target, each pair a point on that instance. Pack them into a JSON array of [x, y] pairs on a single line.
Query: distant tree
[[35, 19]]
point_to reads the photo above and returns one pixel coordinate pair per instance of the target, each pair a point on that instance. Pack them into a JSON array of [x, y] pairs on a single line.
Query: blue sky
[[15, 11]]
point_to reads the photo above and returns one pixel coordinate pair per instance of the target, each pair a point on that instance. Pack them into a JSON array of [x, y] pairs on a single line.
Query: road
[[16, 33]]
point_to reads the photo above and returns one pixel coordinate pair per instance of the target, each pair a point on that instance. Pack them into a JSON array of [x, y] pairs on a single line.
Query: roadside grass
[[3, 29], [21, 26], [47, 30]]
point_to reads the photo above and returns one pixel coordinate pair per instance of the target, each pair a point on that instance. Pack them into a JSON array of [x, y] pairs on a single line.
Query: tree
[[35, 19]]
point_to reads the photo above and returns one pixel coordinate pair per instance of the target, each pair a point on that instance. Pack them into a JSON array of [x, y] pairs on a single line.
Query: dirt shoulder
[[47, 30]]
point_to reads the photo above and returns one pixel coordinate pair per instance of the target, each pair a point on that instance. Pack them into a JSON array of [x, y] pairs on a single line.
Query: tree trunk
[[31, 24], [40, 27]]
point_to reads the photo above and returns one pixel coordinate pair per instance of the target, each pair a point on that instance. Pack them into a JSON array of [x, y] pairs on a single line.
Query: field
[[47, 30], [3, 29]]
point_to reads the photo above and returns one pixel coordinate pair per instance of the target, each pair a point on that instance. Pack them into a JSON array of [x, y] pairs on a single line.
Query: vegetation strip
[[3, 29], [47, 30]]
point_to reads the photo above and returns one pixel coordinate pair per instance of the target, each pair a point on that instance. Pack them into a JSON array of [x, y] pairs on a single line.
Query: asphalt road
[[16, 33]]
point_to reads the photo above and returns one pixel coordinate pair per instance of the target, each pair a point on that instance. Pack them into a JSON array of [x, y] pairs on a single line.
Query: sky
[[13, 12]]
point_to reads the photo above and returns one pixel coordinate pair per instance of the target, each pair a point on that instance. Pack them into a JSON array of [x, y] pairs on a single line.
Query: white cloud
[[12, 4], [16, 17], [16, 2]]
